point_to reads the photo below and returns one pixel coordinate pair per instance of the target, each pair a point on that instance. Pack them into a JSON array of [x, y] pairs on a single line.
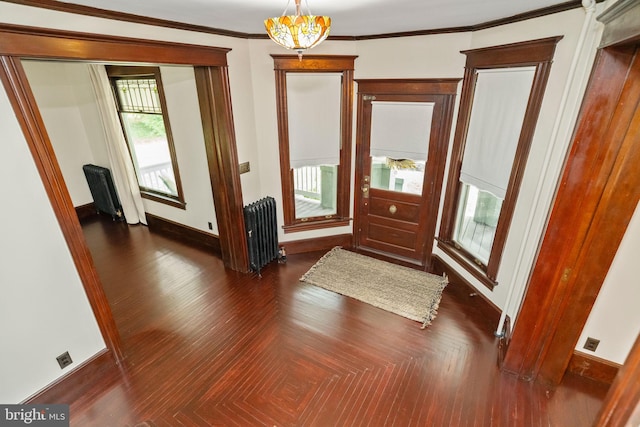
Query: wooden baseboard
[[439, 267], [183, 232], [78, 381], [593, 367], [86, 211], [317, 244]]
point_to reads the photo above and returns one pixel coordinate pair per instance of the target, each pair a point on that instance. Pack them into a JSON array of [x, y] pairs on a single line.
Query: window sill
[[164, 199], [468, 265], [316, 225]]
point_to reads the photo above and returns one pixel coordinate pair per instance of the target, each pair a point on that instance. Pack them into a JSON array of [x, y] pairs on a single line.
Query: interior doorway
[[215, 108]]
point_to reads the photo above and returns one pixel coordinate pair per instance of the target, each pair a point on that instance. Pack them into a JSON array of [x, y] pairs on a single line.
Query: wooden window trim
[[538, 53], [117, 71], [343, 64]]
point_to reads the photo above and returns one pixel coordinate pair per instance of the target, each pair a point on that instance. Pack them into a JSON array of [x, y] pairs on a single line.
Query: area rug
[[401, 290]]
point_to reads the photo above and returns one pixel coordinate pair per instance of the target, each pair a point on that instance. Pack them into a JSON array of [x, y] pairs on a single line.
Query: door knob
[[393, 209], [365, 191]]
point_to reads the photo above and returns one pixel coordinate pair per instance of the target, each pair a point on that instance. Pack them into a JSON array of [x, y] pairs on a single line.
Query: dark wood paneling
[[597, 195], [391, 236], [593, 367], [380, 205], [183, 232]]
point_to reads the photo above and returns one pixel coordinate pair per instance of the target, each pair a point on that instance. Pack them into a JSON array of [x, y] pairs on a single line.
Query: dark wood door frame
[[596, 197], [18, 42]]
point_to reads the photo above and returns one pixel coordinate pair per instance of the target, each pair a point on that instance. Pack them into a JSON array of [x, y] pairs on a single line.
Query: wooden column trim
[[219, 136], [24, 104], [594, 192]]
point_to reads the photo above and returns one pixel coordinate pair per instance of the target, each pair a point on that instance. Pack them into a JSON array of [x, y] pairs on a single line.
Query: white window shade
[[401, 130], [498, 109], [314, 104]]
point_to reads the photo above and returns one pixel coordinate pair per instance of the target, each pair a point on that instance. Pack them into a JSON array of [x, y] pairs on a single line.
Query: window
[[315, 108], [397, 144], [501, 98], [142, 110]]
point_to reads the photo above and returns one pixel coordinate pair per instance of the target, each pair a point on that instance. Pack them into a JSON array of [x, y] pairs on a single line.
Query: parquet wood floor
[[208, 346]]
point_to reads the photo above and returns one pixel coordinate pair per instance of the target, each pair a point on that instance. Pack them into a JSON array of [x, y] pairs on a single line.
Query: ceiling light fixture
[[298, 32]]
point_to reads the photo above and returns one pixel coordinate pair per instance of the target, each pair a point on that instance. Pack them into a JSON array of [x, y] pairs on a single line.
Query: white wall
[[434, 56], [44, 310], [55, 85], [615, 317], [66, 101]]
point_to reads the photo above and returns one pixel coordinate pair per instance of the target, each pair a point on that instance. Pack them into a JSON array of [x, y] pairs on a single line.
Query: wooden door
[[402, 138]]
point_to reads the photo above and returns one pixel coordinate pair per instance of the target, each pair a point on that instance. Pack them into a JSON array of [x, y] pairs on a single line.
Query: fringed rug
[[401, 290]]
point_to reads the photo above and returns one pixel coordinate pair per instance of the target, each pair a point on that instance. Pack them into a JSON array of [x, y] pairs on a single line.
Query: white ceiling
[[349, 17]]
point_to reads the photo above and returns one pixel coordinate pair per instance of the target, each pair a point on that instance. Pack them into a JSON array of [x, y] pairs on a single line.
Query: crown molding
[[138, 19]]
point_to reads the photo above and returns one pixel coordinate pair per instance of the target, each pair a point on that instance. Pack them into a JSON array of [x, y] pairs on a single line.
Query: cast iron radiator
[[103, 191], [262, 232]]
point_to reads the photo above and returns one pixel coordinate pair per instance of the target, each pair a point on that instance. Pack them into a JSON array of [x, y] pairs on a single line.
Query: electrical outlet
[[591, 344], [244, 167], [64, 360], [210, 226]]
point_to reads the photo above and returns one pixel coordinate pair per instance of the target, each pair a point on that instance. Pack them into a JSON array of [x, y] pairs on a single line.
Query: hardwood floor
[[209, 346]]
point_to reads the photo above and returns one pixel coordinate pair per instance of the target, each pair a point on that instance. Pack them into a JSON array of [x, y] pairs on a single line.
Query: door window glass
[[402, 175]]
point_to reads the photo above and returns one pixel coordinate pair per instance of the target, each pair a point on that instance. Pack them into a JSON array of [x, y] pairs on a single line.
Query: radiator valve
[[282, 255]]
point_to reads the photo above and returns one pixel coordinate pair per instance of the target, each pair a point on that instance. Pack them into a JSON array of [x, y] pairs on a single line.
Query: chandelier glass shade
[[298, 32]]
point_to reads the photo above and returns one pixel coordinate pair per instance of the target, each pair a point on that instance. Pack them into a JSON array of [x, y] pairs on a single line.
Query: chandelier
[[298, 32]]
